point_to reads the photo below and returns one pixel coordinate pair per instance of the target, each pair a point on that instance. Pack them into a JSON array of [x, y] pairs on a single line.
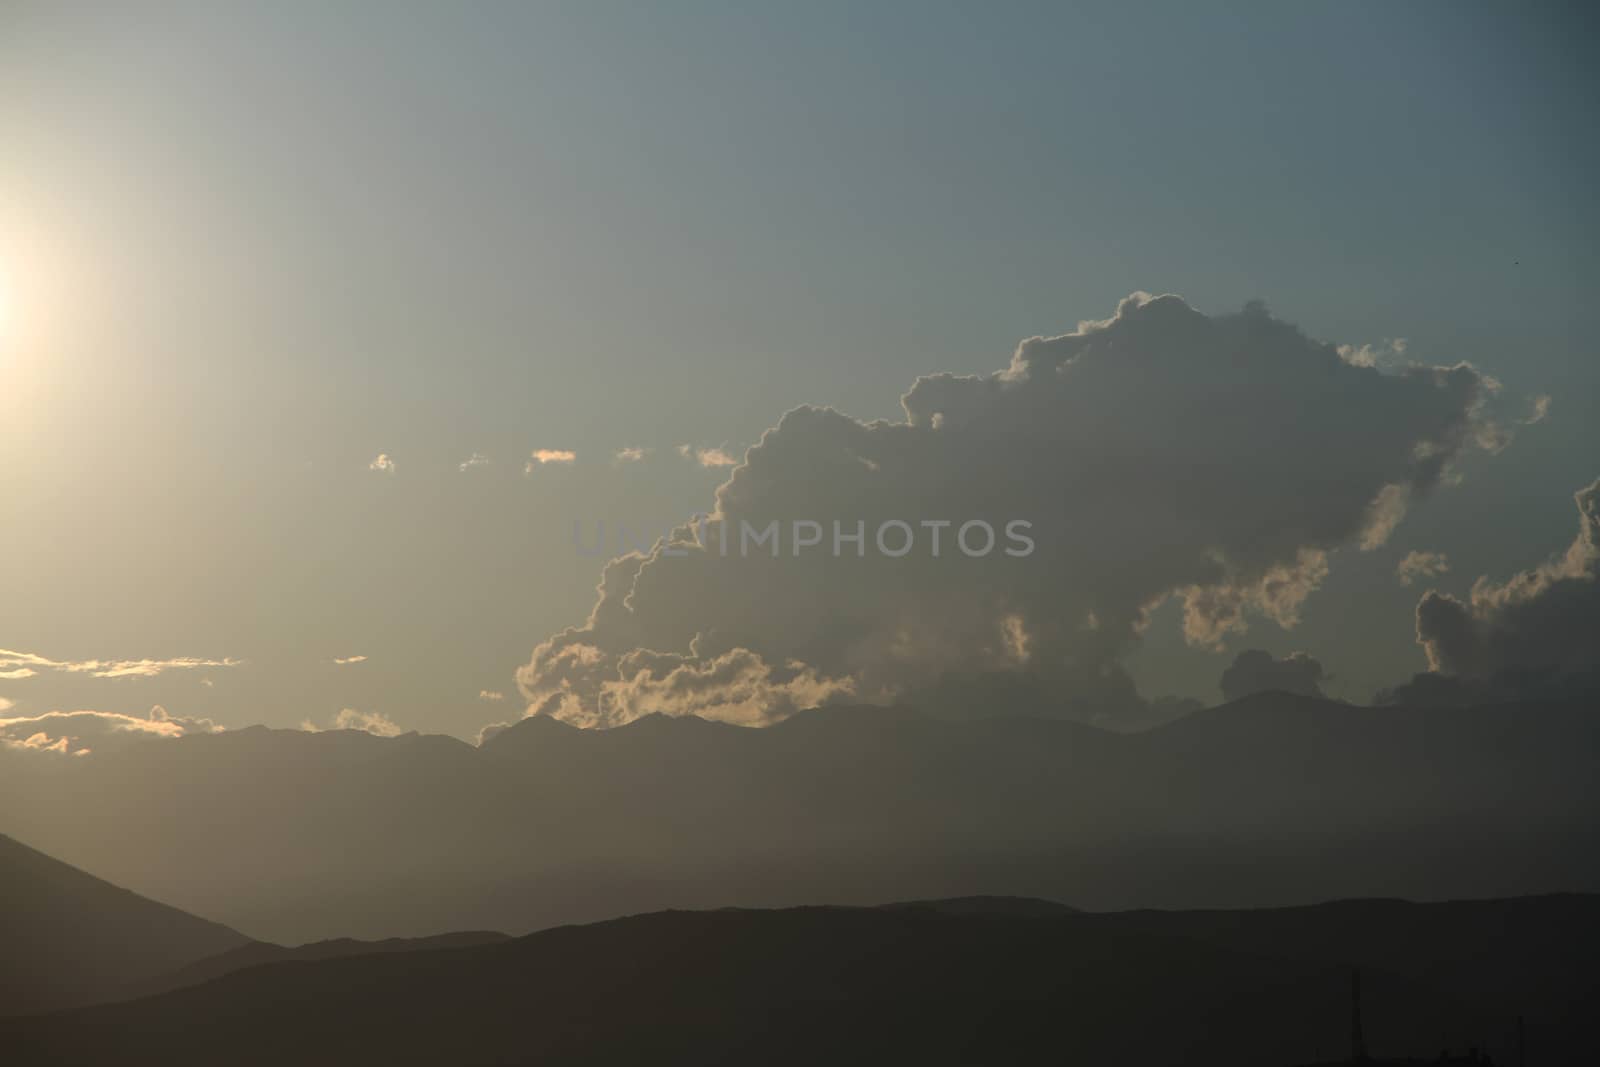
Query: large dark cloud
[[1160, 453], [1533, 635], [1256, 671]]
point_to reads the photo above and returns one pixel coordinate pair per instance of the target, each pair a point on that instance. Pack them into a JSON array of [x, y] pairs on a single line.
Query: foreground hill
[[69, 938], [909, 984], [1534, 956], [257, 953], [1271, 800]]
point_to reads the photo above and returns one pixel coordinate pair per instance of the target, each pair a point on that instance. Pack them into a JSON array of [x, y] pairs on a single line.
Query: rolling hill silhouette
[[68, 938], [1016, 907], [257, 953], [922, 984], [1271, 800]]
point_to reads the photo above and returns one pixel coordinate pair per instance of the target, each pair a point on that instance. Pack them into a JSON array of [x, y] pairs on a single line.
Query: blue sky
[[244, 251]]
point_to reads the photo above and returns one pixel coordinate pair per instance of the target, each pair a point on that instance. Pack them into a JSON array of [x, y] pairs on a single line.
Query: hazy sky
[[246, 251]]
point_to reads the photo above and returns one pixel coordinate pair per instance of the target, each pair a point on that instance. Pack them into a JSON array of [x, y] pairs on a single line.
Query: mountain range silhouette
[[377, 868], [1271, 800], [967, 981]]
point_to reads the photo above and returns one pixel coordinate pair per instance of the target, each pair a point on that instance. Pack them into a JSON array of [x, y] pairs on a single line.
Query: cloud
[[1152, 453], [81, 732], [630, 455], [1256, 671], [27, 664], [6, 705], [382, 464], [545, 457], [1384, 515], [477, 459], [489, 730], [491, 695], [343, 661], [1540, 410], [709, 457], [1419, 565], [371, 722], [737, 686], [1532, 635], [1389, 352]]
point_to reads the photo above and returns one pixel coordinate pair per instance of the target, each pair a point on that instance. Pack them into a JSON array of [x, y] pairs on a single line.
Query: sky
[[272, 277]]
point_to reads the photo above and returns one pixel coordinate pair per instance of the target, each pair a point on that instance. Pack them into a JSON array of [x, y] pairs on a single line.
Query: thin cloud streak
[[716, 456], [26, 664], [78, 733], [544, 457]]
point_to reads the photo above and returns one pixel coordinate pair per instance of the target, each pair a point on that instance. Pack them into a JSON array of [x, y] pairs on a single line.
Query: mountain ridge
[[68, 937], [547, 824], [859, 984]]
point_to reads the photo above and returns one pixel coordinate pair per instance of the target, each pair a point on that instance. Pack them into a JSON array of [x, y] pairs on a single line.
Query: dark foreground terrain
[[967, 983], [68, 938]]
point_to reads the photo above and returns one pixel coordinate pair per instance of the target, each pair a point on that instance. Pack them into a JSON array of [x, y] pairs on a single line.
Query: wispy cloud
[[27, 664], [383, 464], [41, 742], [79, 732], [630, 455], [543, 457], [717, 456], [490, 694], [1388, 353], [344, 661], [1419, 565], [477, 459], [373, 722]]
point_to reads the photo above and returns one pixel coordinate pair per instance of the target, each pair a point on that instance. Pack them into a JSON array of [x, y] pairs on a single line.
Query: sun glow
[[11, 305]]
